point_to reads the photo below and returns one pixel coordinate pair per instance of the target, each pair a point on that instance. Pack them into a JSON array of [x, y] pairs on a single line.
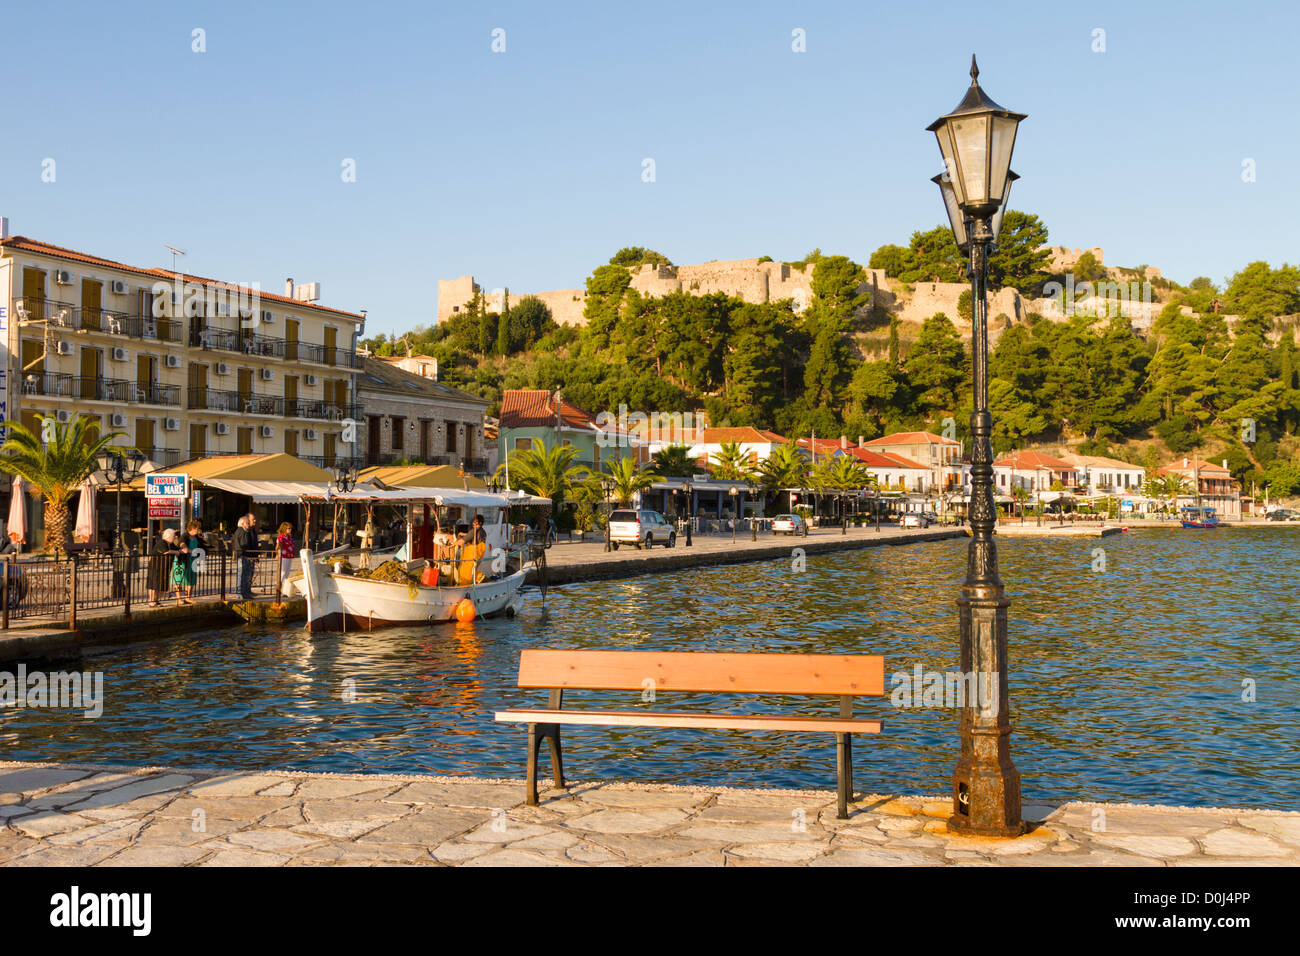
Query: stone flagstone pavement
[[79, 815]]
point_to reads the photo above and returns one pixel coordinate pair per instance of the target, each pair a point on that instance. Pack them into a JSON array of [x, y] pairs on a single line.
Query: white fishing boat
[[435, 582]]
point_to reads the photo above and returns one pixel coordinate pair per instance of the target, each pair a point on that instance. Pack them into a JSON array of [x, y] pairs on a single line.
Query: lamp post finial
[[974, 70]]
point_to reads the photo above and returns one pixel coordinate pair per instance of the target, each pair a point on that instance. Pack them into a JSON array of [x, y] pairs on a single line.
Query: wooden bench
[[832, 675]]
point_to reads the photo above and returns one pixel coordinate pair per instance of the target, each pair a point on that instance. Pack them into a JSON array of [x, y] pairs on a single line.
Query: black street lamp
[[733, 491], [753, 523], [607, 489], [976, 140], [120, 469], [689, 487], [345, 477]]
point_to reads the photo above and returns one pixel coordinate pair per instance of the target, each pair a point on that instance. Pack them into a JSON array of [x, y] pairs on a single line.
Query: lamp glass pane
[[944, 136], [970, 137], [1002, 142], [955, 218], [1002, 209]]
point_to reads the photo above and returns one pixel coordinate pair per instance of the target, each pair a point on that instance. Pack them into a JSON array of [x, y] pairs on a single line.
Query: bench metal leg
[[536, 734], [844, 773]]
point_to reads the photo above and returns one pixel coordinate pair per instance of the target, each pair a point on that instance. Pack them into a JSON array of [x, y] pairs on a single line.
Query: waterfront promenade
[[77, 815]]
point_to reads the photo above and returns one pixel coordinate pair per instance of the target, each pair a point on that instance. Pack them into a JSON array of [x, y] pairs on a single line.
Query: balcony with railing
[[53, 384], [109, 321], [220, 400], [124, 391], [166, 457], [338, 461], [317, 409]]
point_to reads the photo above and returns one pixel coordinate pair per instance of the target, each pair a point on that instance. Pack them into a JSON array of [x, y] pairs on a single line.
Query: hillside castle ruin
[[764, 280]]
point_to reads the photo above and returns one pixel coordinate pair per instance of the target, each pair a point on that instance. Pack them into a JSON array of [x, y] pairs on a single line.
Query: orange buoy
[[465, 611]]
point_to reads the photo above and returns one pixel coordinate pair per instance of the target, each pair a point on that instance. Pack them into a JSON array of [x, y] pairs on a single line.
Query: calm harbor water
[[1126, 684]]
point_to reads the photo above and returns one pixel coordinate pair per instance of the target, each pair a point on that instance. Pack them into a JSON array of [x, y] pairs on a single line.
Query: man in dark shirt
[[246, 552]]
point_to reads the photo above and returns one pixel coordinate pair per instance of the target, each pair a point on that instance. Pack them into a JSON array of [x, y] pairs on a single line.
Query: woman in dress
[[158, 576], [284, 547], [189, 555]]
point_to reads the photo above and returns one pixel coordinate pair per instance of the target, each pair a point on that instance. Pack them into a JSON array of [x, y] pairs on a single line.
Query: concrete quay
[[77, 815], [569, 562]]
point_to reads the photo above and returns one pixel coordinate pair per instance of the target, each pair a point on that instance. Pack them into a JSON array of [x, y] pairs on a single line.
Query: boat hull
[[1200, 524], [344, 602]]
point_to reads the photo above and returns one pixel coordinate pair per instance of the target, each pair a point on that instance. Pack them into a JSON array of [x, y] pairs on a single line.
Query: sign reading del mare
[[166, 486]]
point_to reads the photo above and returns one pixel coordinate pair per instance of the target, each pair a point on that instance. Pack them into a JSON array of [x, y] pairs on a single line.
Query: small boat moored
[[426, 582], [1198, 516]]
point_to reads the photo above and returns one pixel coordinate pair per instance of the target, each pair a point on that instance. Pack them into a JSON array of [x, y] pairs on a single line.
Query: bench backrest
[[841, 675]]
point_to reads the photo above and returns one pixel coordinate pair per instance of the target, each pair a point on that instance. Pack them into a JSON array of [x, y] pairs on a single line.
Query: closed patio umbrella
[[18, 510], [85, 526]]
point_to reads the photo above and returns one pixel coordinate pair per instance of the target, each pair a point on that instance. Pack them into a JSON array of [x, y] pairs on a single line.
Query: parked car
[[915, 519], [789, 524], [642, 528], [1283, 514]]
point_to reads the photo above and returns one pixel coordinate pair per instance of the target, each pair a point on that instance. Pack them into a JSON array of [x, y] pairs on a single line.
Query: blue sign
[[166, 486]]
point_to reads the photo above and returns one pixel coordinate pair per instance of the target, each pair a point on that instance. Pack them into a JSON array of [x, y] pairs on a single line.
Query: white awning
[[267, 491], [436, 496]]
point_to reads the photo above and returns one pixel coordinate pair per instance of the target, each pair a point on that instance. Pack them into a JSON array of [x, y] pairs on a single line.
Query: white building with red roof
[[940, 457]]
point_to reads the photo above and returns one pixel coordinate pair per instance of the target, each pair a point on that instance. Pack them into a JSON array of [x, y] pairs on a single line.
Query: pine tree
[[503, 326]]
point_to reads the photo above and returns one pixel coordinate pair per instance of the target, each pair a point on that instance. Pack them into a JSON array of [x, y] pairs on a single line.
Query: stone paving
[[79, 815]]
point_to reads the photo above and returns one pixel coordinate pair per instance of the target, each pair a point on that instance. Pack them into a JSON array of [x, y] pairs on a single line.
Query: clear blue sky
[[524, 167]]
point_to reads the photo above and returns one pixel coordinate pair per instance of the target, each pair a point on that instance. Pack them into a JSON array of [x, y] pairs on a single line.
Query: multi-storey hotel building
[[184, 366]]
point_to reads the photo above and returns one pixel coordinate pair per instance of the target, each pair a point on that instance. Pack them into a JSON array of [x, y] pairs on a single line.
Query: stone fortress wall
[[759, 281]]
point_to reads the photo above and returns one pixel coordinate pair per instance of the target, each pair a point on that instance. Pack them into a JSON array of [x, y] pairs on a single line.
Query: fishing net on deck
[[394, 571]]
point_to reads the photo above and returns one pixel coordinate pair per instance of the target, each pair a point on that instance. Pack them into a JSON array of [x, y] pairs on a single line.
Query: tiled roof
[[24, 244], [535, 408], [378, 375], [825, 444], [1035, 459], [1186, 466], [911, 438], [755, 436], [875, 459], [1099, 461]]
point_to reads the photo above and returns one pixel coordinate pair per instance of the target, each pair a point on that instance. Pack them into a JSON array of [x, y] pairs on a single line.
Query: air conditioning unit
[[118, 420], [171, 424], [119, 287], [63, 277], [223, 368], [268, 374], [173, 361], [266, 431], [223, 428], [63, 415], [267, 317], [120, 354], [311, 380], [65, 348], [311, 434]]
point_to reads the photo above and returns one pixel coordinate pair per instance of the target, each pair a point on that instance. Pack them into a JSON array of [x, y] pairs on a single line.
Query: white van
[[642, 528]]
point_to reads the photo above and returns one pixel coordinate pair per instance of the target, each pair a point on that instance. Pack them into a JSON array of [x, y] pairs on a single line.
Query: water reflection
[[1125, 684]]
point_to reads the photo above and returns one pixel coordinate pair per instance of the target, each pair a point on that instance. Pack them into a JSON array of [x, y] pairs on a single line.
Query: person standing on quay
[[189, 551], [284, 547], [246, 552], [158, 576]]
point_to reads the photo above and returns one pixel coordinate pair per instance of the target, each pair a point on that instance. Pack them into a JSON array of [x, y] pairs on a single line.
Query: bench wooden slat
[[623, 718], [742, 673]]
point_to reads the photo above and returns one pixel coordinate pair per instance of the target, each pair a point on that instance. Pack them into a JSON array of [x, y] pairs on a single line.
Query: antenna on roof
[[175, 252]]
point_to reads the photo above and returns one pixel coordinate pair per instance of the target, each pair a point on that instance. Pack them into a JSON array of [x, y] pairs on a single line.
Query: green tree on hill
[[1021, 260], [1259, 290]]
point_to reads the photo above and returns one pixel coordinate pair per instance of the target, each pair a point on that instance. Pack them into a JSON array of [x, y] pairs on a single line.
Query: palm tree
[[1171, 486], [840, 473], [629, 478], [547, 472], [731, 463], [674, 461], [784, 468], [1021, 494], [57, 467]]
